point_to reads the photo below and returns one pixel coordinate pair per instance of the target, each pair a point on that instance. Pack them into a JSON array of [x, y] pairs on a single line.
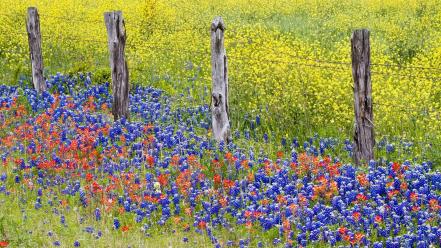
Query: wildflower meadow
[[72, 175]]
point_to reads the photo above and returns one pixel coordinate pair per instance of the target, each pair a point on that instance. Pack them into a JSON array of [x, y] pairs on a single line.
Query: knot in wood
[[217, 99]]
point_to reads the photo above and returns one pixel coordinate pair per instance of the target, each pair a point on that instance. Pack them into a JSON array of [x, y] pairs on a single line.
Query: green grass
[[23, 226]]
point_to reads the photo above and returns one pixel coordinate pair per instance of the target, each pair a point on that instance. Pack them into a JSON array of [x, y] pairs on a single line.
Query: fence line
[[315, 60], [12, 51], [400, 67], [406, 76], [302, 64], [393, 74], [203, 27], [206, 28], [12, 16], [64, 18], [61, 37], [291, 59]]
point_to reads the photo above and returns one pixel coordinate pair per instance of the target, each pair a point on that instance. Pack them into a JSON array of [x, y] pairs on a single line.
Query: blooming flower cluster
[[288, 61], [62, 149]]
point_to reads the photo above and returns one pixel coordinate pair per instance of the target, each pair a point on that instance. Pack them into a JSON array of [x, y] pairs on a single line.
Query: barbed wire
[[183, 27], [427, 110], [79, 39], [127, 23], [64, 18], [410, 112], [401, 67], [276, 61], [82, 39], [392, 105], [11, 51], [11, 15], [205, 26], [410, 76], [17, 32], [317, 62]]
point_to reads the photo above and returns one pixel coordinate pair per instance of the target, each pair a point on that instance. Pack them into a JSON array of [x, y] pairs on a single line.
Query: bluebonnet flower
[[320, 191], [62, 220], [390, 148], [97, 214], [17, 179], [116, 223], [3, 177]]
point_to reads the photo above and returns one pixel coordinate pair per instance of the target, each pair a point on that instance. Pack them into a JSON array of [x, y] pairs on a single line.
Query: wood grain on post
[[116, 35], [34, 39], [364, 139], [219, 75]]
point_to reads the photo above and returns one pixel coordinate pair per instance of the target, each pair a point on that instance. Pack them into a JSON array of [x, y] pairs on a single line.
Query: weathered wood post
[[116, 35], [219, 75], [34, 39], [364, 139]]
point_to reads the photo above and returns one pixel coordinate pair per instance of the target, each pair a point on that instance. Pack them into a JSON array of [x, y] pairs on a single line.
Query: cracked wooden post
[[364, 139], [219, 75], [34, 39], [116, 35]]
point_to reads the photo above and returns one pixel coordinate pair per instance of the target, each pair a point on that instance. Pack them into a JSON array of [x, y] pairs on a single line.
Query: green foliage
[[101, 75]]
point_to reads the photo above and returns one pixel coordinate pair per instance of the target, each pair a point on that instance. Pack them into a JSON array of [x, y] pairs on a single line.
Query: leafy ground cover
[[71, 177]]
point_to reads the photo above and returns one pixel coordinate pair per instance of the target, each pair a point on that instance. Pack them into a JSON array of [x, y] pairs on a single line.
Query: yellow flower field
[[289, 60]]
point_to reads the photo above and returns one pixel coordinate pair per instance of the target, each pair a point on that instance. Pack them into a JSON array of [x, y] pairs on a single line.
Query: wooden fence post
[[116, 35], [364, 139], [219, 75], [34, 38]]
